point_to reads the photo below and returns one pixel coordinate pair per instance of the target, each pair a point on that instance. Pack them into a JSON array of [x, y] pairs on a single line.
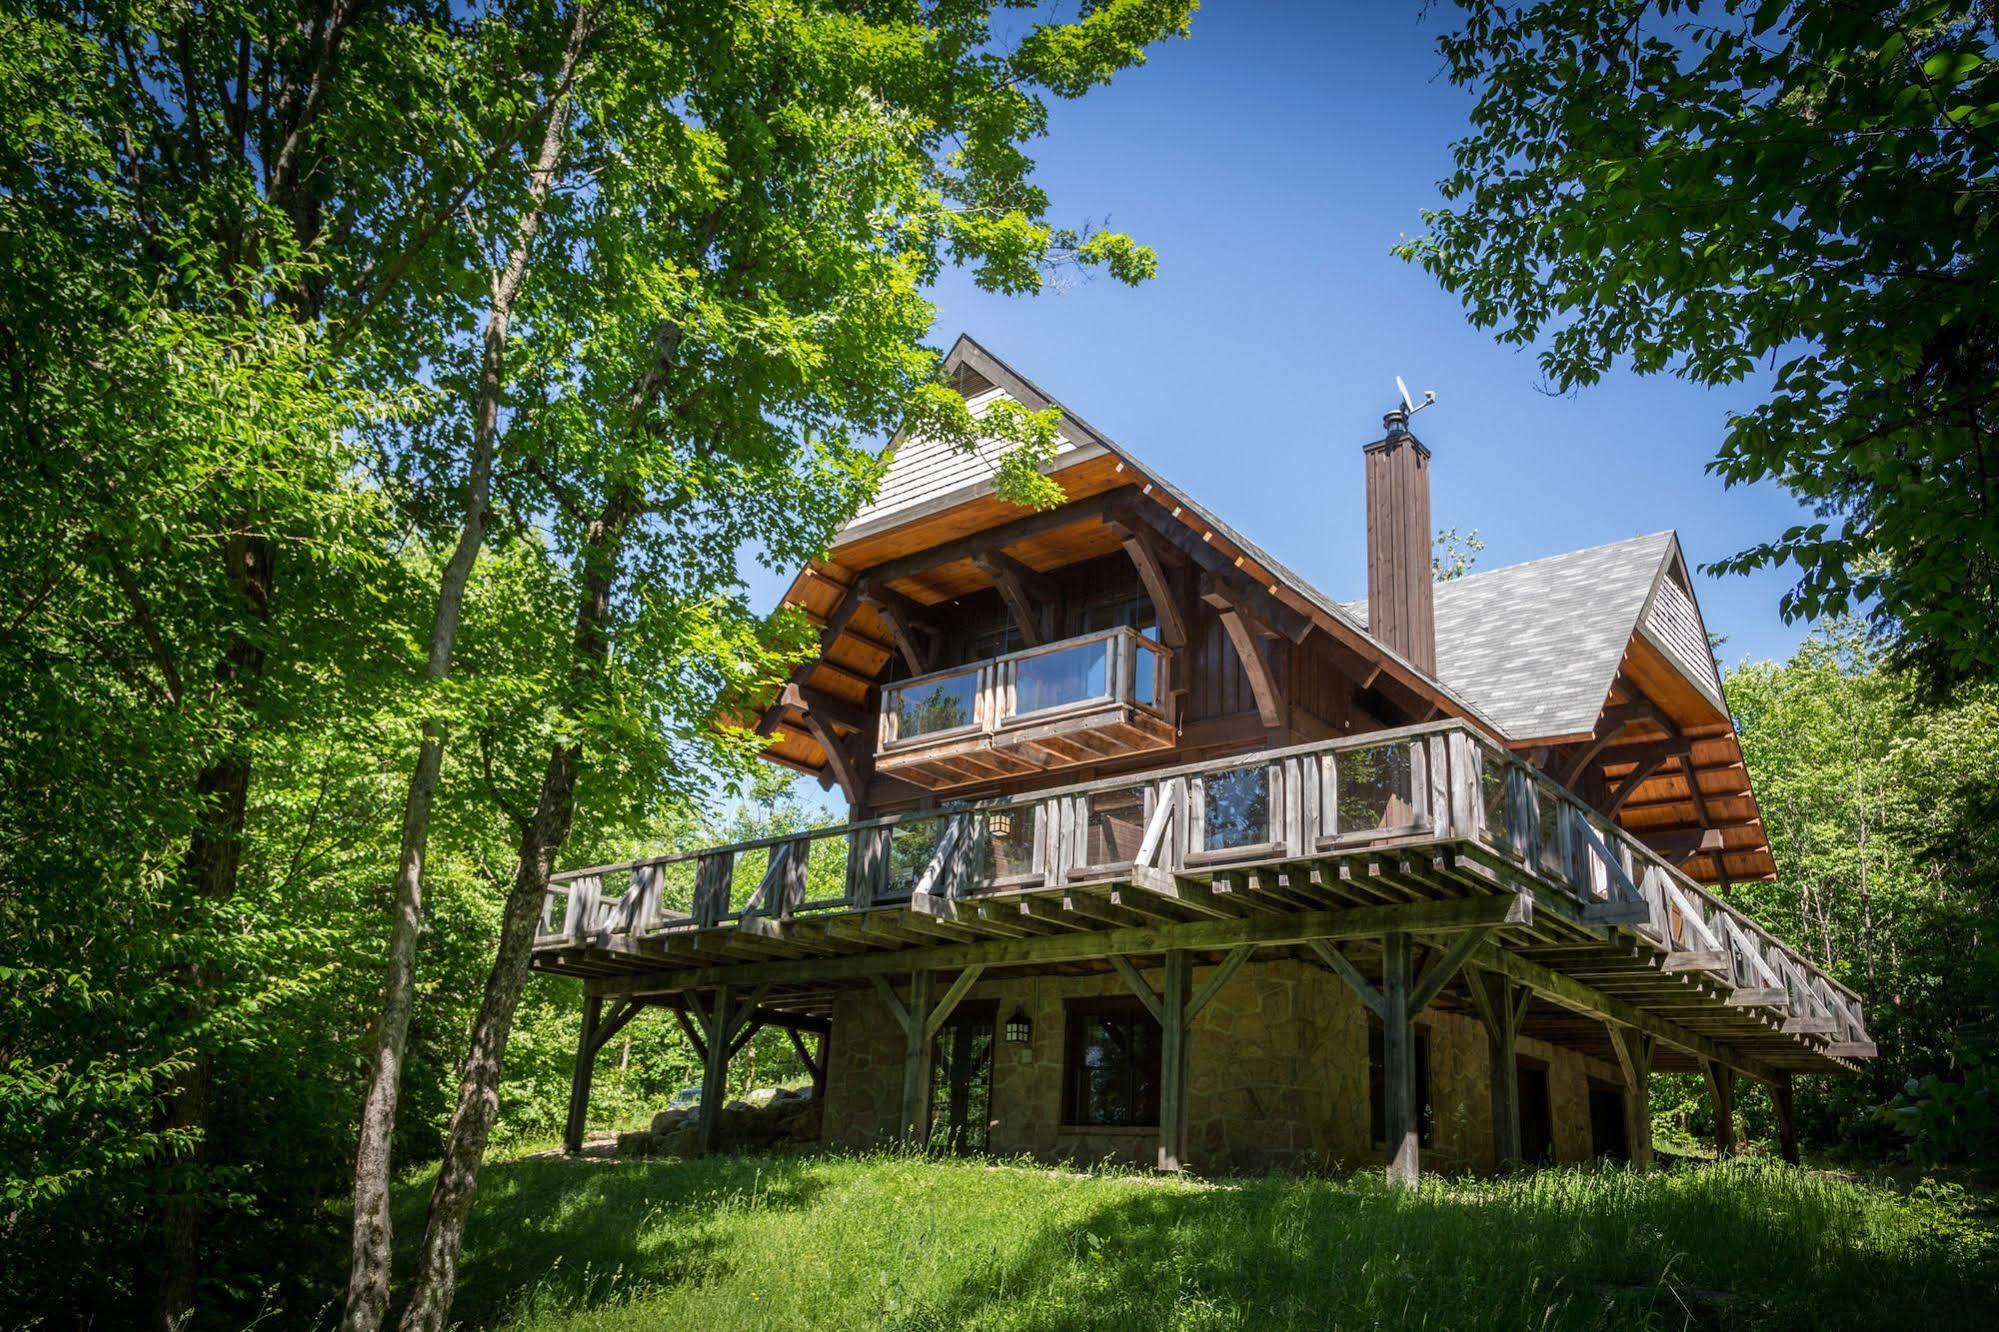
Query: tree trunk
[[368, 1277], [169, 1261], [541, 841]]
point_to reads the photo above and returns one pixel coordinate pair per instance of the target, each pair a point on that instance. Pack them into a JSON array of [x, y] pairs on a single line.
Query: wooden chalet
[[1160, 854]]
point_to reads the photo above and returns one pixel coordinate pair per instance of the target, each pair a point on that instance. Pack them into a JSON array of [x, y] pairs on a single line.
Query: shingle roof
[[1537, 646]]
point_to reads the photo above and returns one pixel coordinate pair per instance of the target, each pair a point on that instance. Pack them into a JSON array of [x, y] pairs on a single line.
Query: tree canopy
[[1796, 194]]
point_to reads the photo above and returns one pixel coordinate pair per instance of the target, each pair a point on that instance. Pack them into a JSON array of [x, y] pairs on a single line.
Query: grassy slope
[[899, 1243]]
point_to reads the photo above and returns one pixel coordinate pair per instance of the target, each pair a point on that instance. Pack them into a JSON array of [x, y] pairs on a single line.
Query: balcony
[[1082, 700], [1429, 825]]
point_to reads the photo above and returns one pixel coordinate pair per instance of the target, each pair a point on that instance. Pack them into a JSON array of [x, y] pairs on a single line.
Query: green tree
[[737, 309], [1705, 189], [1875, 800]]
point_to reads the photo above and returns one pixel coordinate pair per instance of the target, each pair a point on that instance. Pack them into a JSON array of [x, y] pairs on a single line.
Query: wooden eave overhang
[[930, 560]]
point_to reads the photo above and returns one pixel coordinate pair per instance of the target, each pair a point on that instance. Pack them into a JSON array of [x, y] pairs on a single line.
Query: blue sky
[[1273, 160]]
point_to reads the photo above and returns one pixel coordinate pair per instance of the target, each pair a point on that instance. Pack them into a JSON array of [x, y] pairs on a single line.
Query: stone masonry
[[1277, 1078]]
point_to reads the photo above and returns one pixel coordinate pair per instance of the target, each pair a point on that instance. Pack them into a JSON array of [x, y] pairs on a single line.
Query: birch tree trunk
[[541, 841], [373, 1237]]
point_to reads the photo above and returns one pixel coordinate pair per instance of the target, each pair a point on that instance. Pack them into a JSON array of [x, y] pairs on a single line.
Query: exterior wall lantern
[[1018, 1027]]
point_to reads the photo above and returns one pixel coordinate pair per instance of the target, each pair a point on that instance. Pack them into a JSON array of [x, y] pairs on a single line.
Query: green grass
[[893, 1242]]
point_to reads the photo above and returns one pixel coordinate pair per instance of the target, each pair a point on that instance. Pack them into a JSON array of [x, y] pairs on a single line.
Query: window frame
[[1075, 1012]]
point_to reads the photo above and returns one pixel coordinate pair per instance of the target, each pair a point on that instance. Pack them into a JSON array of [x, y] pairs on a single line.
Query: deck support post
[[715, 1027], [1502, 1006], [921, 1021], [1173, 1061], [1787, 1120], [1721, 1093], [916, 1063], [1634, 1056], [579, 1084], [596, 1033], [1175, 1011], [1398, 1046]]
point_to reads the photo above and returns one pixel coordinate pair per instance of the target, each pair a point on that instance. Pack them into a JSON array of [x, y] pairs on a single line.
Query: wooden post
[[916, 1063], [579, 1084], [715, 1067], [1173, 1061], [1634, 1056], [1502, 1005], [1721, 1092], [1398, 1046], [1787, 1122]]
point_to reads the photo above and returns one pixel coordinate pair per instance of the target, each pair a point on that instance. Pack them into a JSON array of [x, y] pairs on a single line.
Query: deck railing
[[1035, 685], [1417, 786]]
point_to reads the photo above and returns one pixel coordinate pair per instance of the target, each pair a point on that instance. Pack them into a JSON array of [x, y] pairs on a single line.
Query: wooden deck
[[1331, 850]]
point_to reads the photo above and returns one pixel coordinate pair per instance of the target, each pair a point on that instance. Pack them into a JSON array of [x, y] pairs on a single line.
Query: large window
[[1111, 1068]]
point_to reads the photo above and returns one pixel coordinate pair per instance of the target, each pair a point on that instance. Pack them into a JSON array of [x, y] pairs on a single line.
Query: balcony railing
[[1027, 711], [1419, 786]]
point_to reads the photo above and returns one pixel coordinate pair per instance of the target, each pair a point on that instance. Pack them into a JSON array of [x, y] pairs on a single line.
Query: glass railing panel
[[1235, 808], [1061, 677], [1116, 826], [933, 705], [1005, 843], [911, 847], [1550, 848], [1146, 661], [1374, 790]]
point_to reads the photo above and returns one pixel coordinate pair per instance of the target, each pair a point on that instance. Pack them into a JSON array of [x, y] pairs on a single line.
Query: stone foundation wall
[[1277, 1078]]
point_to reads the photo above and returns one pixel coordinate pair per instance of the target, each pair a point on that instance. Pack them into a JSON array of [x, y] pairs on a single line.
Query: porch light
[[1018, 1027], [1000, 824]]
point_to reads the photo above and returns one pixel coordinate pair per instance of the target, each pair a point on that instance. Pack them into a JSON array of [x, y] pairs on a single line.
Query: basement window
[[1111, 1064]]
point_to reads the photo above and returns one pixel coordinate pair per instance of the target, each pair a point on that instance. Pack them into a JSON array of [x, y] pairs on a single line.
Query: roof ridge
[[1667, 532]]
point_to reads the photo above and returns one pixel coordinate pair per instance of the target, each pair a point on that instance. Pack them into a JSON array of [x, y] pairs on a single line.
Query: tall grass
[[901, 1243]]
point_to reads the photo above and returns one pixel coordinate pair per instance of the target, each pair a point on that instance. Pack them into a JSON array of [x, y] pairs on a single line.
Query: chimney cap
[[1395, 423]]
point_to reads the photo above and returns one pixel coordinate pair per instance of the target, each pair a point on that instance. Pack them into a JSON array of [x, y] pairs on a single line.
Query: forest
[[396, 396]]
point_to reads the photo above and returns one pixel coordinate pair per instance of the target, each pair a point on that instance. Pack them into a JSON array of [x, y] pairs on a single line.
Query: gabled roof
[[1537, 646]]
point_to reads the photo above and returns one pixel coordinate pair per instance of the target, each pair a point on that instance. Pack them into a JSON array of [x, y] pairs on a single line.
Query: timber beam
[[1574, 995], [1497, 910], [907, 624], [1258, 600], [1031, 598], [1148, 558]]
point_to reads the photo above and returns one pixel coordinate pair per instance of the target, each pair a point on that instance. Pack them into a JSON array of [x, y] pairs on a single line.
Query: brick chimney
[[1400, 606]]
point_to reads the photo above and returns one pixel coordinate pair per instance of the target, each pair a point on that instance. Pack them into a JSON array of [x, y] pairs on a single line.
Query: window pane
[[1492, 793], [1145, 677], [936, 705], [1116, 826], [1006, 842], [1053, 679], [911, 847], [1114, 1068], [1127, 613], [1548, 821], [1376, 789], [1236, 808]]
